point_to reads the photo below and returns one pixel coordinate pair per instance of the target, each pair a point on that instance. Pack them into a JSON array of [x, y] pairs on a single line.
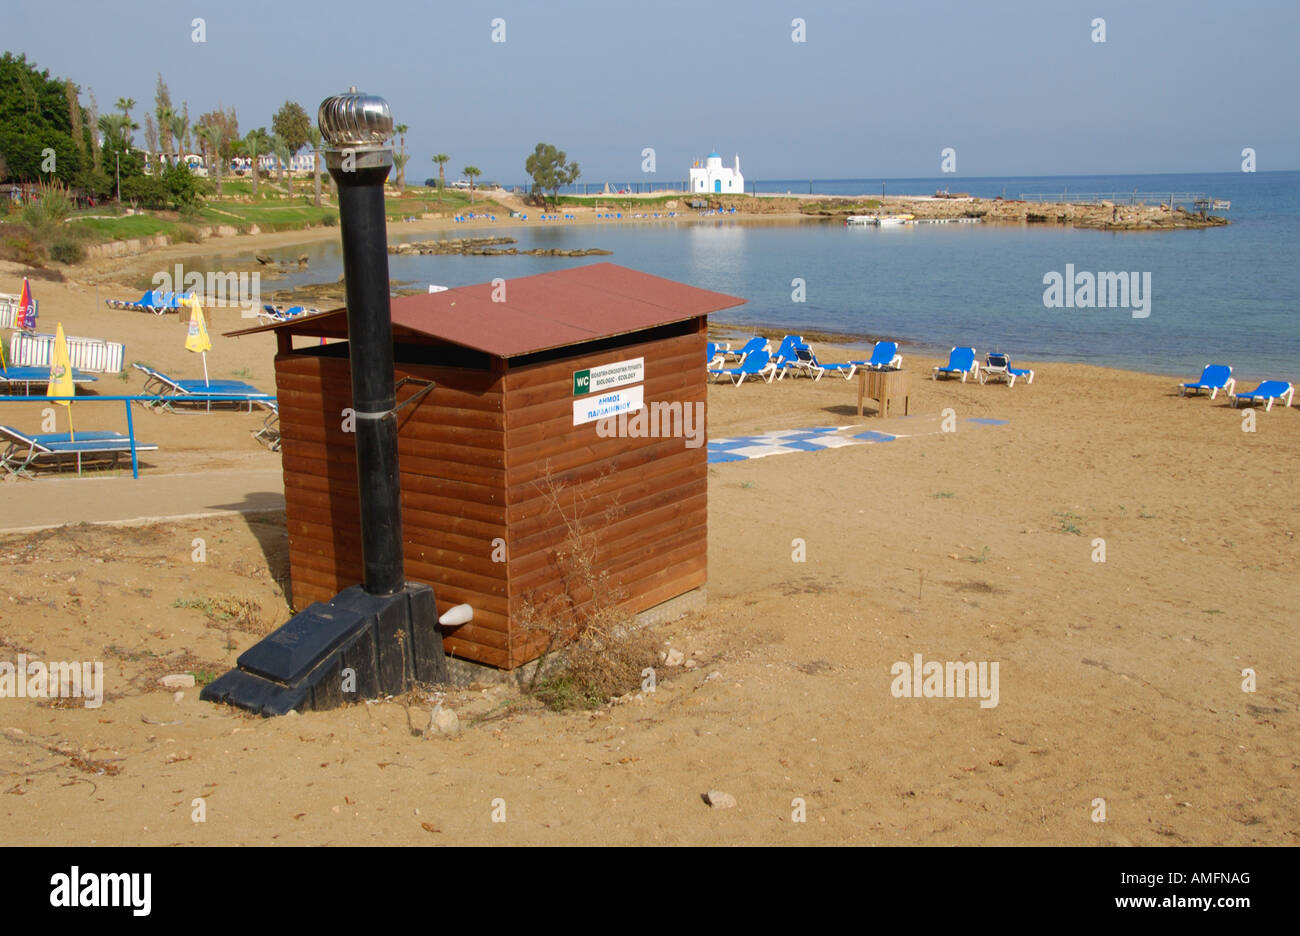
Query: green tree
[[441, 159], [399, 163], [179, 126], [210, 135], [314, 138], [255, 143], [174, 187], [227, 136], [151, 141], [114, 129], [550, 170], [35, 116], [163, 112], [283, 153], [291, 124], [125, 105], [120, 159], [400, 130], [75, 123], [92, 132], [472, 172]]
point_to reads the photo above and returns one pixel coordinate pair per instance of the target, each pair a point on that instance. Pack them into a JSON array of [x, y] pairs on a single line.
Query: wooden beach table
[[885, 387]]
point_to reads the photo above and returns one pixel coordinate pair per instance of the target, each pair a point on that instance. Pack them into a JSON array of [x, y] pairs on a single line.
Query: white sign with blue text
[[592, 408]]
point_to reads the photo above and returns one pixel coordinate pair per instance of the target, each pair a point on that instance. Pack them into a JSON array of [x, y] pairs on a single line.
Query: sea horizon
[[868, 186]]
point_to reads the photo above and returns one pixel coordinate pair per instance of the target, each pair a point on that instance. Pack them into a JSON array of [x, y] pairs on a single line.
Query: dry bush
[[582, 622], [229, 612]]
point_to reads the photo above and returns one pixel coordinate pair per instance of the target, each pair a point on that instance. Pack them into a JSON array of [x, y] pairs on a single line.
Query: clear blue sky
[[877, 90]]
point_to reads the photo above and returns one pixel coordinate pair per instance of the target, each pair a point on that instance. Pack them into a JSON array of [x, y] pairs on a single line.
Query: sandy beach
[[1120, 680]]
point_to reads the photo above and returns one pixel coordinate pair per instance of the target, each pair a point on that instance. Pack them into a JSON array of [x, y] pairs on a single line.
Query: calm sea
[[1228, 295]]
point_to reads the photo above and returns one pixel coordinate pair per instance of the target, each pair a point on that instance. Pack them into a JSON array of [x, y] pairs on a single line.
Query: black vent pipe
[[356, 128]]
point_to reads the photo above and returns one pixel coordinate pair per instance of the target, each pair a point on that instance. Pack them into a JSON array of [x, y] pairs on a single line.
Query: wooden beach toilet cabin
[[502, 453]]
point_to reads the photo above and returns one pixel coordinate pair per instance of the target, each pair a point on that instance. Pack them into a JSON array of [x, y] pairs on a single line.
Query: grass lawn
[[126, 227]]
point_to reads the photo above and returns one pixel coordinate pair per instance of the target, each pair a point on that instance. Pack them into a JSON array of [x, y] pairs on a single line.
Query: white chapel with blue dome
[[717, 178]]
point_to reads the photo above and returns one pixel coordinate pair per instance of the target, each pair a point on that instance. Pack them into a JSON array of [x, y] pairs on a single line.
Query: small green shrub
[[22, 247], [47, 211], [67, 251]]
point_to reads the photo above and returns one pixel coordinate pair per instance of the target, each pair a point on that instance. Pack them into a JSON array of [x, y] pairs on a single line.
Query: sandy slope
[[1119, 680]]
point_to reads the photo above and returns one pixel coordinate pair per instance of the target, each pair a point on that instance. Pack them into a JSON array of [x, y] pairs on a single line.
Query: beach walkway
[[814, 439], [53, 501]]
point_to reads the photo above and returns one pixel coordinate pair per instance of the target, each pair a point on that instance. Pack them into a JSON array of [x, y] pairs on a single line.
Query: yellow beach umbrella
[[61, 384], [197, 340]]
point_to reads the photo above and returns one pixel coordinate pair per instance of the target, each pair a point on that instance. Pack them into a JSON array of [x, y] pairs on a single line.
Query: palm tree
[[179, 125], [441, 159], [400, 130], [211, 137], [256, 142], [164, 115], [399, 163], [280, 146], [314, 138], [470, 172], [113, 126], [125, 105]]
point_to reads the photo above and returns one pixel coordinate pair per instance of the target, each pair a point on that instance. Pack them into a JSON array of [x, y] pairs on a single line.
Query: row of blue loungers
[[155, 301], [793, 356], [756, 358], [22, 452], [1218, 377]]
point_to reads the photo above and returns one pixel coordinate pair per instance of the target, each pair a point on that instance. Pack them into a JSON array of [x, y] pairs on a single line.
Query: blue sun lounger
[[997, 366], [269, 434], [785, 351], [1268, 391], [714, 358], [759, 364], [24, 452], [12, 377], [272, 313], [1214, 378], [757, 343], [961, 363], [884, 356], [806, 362], [199, 391]]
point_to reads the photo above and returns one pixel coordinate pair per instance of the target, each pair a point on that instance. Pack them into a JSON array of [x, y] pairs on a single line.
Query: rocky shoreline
[[1105, 215], [486, 247]]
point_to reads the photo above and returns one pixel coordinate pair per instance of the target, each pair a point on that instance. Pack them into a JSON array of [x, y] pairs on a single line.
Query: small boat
[[896, 220], [861, 219]]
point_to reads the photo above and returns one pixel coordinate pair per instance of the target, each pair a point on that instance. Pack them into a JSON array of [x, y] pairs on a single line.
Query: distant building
[[269, 162], [716, 178]]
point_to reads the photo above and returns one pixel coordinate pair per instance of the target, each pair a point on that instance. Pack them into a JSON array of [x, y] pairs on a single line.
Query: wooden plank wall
[[451, 448], [643, 501]]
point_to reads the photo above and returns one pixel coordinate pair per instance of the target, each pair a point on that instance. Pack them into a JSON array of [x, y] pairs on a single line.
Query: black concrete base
[[353, 647]]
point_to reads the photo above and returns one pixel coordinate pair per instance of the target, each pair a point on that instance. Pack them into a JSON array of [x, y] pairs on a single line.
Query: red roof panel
[[548, 310]]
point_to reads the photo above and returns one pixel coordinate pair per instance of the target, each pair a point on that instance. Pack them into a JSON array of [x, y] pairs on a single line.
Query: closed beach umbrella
[[197, 340], [26, 308], [61, 384]]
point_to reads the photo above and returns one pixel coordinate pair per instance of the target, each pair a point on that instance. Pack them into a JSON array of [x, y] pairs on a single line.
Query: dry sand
[[1120, 681]]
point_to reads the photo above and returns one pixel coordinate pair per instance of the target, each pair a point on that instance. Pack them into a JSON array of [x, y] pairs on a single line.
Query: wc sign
[[608, 376]]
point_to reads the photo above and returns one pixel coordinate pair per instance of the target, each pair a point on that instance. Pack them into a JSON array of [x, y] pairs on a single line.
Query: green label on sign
[[608, 376]]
